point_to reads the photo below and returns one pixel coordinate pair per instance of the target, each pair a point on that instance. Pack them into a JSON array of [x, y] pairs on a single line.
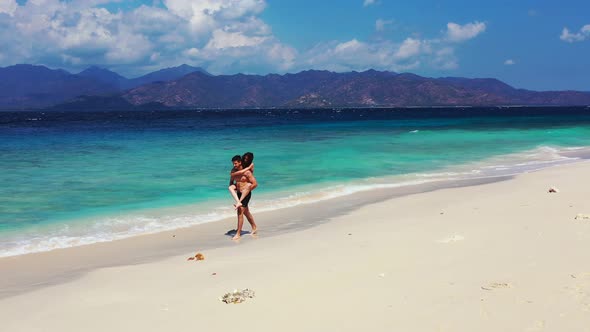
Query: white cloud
[[223, 36], [380, 24], [409, 54], [204, 15], [285, 56], [8, 7], [383, 55], [79, 33], [409, 48], [445, 59], [367, 3], [223, 39], [509, 62], [459, 33], [581, 35]]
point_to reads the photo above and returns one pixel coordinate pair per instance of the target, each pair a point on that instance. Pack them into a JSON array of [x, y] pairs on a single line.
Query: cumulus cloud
[[581, 35], [380, 24], [411, 53], [409, 48], [8, 7], [459, 33], [367, 3], [223, 36], [78, 33], [509, 62]]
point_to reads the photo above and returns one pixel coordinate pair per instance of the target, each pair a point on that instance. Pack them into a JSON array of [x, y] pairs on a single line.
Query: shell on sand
[[237, 296], [582, 216]]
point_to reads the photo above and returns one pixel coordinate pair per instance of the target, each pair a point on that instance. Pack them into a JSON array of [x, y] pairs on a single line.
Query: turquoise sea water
[[75, 178]]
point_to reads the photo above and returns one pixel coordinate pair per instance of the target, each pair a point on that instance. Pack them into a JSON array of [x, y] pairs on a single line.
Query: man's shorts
[[246, 200]]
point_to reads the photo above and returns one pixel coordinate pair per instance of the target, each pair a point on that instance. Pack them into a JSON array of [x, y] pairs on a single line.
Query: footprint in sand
[[454, 238], [581, 290], [496, 285]]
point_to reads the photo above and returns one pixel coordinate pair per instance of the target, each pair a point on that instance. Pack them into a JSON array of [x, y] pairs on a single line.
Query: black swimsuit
[[246, 200]]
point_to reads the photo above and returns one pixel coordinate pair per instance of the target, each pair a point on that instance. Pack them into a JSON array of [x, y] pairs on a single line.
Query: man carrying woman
[[241, 184]]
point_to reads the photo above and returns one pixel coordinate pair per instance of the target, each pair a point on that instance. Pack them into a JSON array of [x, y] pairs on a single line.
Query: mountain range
[[27, 86]]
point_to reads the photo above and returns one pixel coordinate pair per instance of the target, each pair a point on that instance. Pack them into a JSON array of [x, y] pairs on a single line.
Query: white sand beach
[[503, 256]]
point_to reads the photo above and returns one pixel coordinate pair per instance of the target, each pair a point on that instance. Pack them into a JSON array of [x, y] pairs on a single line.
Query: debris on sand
[[582, 216], [237, 296], [553, 190], [197, 257], [496, 285]]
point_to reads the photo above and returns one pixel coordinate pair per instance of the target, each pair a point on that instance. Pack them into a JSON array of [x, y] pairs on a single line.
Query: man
[[242, 180]]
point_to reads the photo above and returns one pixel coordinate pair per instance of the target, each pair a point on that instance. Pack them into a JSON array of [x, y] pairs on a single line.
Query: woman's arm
[[242, 171]]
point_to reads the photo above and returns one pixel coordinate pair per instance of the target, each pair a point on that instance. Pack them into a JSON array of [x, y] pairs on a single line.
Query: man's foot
[[236, 237], [254, 230]]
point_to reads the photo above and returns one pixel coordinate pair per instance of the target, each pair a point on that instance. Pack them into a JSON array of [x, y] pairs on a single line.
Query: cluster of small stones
[[237, 296]]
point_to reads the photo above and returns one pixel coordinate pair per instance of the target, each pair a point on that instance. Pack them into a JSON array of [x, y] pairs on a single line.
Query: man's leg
[[250, 219], [240, 223]]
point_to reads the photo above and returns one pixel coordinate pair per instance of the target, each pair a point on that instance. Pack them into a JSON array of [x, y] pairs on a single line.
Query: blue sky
[[539, 45]]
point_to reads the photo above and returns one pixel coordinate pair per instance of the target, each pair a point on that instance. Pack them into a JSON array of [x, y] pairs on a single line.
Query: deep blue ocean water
[[70, 178]]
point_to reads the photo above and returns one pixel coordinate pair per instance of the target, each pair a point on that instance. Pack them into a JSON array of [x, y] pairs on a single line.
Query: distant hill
[[30, 86], [327, 89], [106, 76], [27, 86], [163, 75], [167, 74]]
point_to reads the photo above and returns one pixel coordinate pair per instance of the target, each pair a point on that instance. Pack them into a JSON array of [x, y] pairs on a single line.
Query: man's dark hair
[[236, 158], [247, 159]]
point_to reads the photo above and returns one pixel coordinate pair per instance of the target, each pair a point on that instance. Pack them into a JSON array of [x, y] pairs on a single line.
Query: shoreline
[[67, 264], [171, 218], [500, 256]]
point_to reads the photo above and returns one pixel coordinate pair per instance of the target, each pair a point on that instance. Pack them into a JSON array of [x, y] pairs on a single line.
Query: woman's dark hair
[[247, 159]]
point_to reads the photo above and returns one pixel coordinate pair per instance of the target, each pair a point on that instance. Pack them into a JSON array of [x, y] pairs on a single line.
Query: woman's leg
[[234, 194], [245, 190]]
